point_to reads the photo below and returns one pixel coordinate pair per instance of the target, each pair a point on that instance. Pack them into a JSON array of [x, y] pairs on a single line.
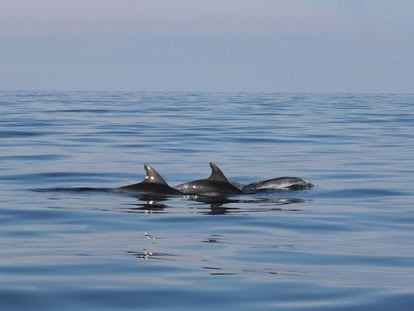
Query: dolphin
[[280, 183], [215, 185], [153, 185]]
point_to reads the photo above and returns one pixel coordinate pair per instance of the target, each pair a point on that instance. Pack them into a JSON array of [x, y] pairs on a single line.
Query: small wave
[[75, 177], [363, 193], [71, 189], [19, 134], [93, 111], [34, 157], [146, 254]]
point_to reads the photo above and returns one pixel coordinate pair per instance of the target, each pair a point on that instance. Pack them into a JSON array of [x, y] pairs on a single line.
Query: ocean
[[346, 244]]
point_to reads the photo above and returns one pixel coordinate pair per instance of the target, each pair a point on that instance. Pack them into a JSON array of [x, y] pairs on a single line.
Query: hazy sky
[[214, 45]]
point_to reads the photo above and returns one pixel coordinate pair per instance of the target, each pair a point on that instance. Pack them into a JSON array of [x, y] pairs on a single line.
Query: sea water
[[346, 244]]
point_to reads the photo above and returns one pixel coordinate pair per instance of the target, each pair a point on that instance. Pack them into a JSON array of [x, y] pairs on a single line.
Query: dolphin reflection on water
[[217, 205]]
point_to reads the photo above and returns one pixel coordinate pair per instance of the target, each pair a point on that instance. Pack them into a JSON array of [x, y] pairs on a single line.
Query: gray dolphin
[[152, 185], [214, 185], [280, 183]]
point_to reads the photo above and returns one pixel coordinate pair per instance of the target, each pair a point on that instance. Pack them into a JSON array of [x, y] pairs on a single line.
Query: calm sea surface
[[347, 244]]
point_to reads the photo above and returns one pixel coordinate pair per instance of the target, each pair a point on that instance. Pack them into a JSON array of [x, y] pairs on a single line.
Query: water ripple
[[69, 243]]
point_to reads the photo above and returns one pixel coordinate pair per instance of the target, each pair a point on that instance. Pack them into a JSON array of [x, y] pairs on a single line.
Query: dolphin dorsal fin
[[152, 175], [217, 174]]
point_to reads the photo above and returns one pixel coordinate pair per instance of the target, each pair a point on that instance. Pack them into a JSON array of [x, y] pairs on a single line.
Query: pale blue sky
[[215, 45]]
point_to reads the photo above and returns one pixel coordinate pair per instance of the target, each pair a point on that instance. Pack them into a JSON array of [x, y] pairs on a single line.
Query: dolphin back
[[153, 184], [280, 183], [216, 184]]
